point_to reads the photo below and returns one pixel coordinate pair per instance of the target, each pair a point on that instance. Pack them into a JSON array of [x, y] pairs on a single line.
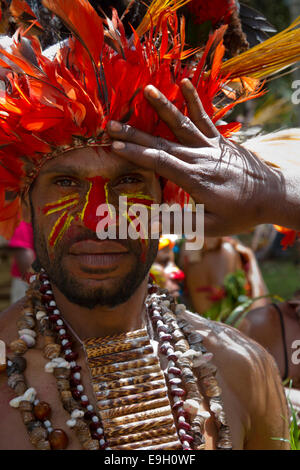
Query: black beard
[[73, 290]]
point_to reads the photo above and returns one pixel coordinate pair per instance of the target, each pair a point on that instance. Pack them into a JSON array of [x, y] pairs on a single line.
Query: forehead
[[88, 162]]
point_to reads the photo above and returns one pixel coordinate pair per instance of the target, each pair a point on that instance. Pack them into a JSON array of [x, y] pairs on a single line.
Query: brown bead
[[18, 346], [14, 379], [37, 434], [43, 445], [58, 439], [52, 350], [62, 373], [25, 406], [90, 444], [25, 322], [20, 388], [63, 384], [42, 411], [27, 417]]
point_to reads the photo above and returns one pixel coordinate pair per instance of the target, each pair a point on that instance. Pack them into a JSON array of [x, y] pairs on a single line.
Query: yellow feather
[[156, 7], [267, 58]]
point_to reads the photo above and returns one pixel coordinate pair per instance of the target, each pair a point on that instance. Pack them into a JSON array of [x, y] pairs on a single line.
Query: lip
[[85, 248]]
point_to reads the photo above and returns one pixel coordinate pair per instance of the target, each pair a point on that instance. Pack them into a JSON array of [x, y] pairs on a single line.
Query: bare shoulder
[[250, 381]]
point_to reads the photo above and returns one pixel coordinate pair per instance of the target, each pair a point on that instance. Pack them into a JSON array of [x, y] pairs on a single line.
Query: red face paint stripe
[[53, 237]]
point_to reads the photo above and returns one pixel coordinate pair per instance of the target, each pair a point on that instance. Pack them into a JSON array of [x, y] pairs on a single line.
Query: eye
[[129, 179], [65, 182]]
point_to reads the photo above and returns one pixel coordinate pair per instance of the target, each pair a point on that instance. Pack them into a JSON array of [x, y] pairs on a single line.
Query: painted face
[[64, 201]]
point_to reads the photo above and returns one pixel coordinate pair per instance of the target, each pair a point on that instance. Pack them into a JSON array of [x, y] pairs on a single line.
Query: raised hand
[[236, 187]]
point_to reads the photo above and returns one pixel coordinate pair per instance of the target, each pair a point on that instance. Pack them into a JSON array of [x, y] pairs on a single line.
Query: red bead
[[54, 318], [93, 426], [74, 382], [186, 437], [76, 394], [58, 439], [59, 327], [42, 411], [182, 413], [178, 392], [71, 356], [172, 357], [174, 370], [44, 287], [50, 309], [47, 298], [76, 369], [67, 345], [65, 336], [88, 415], [177, 405], [43, 277], [165, 337], [95, 435], [184, 425]]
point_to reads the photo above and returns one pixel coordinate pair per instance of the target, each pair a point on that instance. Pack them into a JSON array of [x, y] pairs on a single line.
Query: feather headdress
[[51, 106]]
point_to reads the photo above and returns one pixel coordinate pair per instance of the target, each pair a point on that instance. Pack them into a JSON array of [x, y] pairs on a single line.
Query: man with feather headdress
[[90, 316]]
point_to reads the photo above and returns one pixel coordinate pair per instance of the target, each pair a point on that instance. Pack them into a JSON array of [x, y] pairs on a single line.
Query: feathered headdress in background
[[51, 106]]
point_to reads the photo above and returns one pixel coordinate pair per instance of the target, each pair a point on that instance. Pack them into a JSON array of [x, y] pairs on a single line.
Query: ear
[[26, 208]]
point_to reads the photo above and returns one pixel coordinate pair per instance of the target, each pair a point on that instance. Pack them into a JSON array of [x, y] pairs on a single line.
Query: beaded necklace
[[138, 406]]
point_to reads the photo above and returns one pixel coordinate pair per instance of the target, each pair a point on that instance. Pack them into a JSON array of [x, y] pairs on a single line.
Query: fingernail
[[118, 145], [115, 126], [152, 91]]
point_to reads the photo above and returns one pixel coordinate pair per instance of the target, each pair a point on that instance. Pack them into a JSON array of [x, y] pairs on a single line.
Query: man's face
[[64, 200]]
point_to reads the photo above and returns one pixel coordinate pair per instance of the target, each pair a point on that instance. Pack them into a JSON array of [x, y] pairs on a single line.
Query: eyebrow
[[81, 172]]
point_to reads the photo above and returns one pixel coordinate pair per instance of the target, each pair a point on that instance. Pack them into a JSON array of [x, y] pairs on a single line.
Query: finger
[[127, 133], [181, 126], [196, 111], [159, 161]]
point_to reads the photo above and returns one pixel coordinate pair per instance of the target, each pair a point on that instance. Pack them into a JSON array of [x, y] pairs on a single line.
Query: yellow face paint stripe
[[57, 209], [81, 215]]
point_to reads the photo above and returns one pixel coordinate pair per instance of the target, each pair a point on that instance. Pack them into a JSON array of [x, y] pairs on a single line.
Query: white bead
[[99, 430], [62, 331], [191, 406], [27, 331], [181, 419], [79, 388], [102, 442], [59, 322], [90, 408], [95, 419], [47, 423], [77, 375], [64, 341], [52, 303], [29, 340], [40, 314], [48, 292], [73, 364], [56, 311], [36, 402], [49, 430], [77, 414], [32, 278], [84, 397], [71, 423], [68, 351]]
